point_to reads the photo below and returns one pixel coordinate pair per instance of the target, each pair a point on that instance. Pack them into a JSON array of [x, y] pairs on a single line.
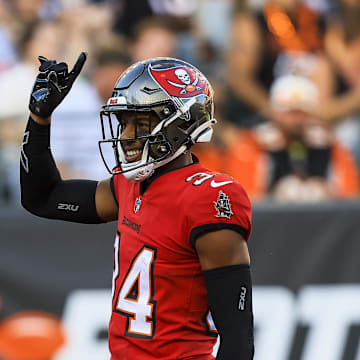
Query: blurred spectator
[[283, 37], [128, 13], [213, 19], [343, 27], [7, 51], [23, 14], [342, 44], [84, 25], [15, 84], [319, 6], [174, 8], [152, 37], [294, 157], [286, 37], [42, 38], [75, 136], [170, 28], [81, 23], [111, 58], [7, 48], [28, 12], [47, 39]]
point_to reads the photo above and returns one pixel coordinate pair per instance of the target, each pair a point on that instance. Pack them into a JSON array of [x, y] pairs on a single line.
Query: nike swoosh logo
[[215, 184]]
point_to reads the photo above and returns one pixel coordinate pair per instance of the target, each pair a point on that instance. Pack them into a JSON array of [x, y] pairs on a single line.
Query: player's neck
[[179, 162]]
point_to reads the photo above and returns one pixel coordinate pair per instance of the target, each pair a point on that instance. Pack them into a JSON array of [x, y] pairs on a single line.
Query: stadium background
[[55, 277]]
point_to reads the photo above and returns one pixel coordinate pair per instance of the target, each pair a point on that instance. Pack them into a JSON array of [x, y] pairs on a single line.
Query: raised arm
[[43, 192]]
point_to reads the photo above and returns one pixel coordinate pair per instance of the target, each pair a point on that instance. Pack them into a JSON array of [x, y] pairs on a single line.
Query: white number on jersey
[[210, 325], [116, 264], [135, 295]]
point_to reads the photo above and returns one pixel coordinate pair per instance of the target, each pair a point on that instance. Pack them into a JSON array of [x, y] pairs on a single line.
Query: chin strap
[[139, 174], [195, 137]]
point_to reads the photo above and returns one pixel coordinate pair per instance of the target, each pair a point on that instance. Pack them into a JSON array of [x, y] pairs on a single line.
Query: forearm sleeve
[[43, 192], [230, 301]]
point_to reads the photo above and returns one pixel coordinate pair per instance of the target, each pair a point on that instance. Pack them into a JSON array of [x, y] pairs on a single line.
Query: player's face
[[135, 126]]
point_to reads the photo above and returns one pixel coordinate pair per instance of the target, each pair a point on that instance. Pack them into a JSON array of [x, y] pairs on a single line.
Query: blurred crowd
[[286, 75]]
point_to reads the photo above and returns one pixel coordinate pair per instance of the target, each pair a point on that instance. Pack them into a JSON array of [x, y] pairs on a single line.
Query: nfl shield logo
[[137, 205]]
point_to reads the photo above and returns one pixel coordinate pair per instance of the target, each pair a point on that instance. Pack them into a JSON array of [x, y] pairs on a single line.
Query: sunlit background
[[286, 75]]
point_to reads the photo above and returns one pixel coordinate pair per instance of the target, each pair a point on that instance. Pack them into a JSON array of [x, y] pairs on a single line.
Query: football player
[[181, 265]]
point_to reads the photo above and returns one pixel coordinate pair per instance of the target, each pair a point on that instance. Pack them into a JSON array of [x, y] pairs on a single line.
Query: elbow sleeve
[[43, 192]]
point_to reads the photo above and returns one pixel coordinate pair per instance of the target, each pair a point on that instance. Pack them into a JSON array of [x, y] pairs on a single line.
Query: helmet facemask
[[179, 122]]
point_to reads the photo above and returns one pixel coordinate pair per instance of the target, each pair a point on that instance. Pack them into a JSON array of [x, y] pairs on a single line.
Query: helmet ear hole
[[166, 111], [158, 146]]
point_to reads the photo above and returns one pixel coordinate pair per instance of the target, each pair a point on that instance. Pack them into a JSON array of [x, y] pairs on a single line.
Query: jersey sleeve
[[112, 187], [213, 207], [118, 185]]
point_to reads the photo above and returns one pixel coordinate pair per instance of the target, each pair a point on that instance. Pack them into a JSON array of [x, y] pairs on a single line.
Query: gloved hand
[[52, 84]]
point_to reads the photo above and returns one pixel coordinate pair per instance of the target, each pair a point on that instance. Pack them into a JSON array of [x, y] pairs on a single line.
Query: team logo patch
[[137, 205], [180, 81], [223, 206]]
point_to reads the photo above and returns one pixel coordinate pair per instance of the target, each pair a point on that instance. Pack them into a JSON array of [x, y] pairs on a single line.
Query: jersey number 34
[[135, 298]]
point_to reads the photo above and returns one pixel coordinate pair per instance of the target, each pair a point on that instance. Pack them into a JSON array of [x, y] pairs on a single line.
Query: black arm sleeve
[[43, 192], [230, 301]]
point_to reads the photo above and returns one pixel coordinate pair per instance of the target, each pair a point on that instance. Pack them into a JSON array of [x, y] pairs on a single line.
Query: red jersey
[[160, 305]]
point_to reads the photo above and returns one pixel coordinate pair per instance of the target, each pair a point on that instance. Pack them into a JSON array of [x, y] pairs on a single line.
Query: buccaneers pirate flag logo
[[180, 81], [223, 206]]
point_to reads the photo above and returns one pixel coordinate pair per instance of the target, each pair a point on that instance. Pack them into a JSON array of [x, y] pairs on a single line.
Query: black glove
[[52, 84]]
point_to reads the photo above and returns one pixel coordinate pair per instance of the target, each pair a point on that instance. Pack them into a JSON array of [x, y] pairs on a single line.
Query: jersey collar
[[144, 185]]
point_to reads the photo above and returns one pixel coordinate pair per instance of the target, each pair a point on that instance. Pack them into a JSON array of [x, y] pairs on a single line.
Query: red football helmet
[[181, 98]]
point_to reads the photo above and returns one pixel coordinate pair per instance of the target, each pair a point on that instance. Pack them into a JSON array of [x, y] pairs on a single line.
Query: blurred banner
[[305, 267]]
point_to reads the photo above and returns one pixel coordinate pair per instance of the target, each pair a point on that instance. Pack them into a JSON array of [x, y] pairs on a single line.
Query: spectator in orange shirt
[[293, 157]]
